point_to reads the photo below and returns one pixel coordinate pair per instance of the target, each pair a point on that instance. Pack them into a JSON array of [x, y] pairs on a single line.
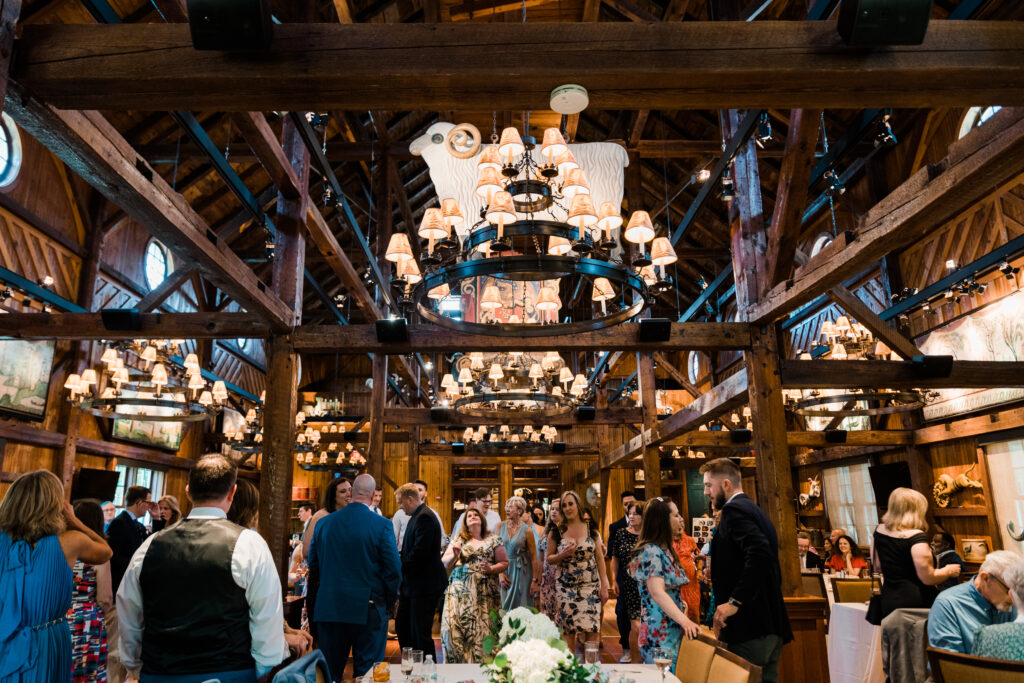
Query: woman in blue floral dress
[[659, 576]]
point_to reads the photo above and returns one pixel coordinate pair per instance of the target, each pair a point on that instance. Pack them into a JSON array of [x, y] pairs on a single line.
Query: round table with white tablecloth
[[464, 673], [854, 645]]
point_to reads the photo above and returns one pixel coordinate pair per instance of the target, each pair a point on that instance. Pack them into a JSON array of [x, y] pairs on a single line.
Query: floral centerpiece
[[527, 647]]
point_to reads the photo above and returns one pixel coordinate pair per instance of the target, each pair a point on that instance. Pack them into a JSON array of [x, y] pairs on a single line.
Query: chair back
[[851, 590], [813, 584], [953, 667], [693, 664], [727, 667]]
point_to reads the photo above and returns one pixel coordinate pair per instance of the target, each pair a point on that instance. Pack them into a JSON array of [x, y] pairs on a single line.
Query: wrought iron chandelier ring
[[472, 405], [188, 411], [523, 268], [906, 401]]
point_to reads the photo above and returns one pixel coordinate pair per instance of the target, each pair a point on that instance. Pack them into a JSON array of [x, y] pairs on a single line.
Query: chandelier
[[845, 340], [141, 380], [512, 381], [310, 456], [508, 270], [505, 439]]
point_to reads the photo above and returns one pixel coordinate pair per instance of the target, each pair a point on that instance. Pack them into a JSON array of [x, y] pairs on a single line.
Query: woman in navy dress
[[40, 540]]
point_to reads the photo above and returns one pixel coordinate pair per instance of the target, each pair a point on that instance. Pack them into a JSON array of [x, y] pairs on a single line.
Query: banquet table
[[458, 673], [854, 645]]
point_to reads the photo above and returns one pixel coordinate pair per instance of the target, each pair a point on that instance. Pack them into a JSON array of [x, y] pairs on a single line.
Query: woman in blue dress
[[659, 576], [521, 581], [40, 540]]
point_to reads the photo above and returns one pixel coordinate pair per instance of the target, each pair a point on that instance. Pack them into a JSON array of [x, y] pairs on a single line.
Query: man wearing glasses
[[960, 611]]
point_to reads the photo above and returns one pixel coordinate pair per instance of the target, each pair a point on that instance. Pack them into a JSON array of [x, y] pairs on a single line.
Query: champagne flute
[[662, 661], [406, 662]]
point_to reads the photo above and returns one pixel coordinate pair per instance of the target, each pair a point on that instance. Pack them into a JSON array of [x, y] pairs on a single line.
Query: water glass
[[406, 661], [417, 660], [590, 653]]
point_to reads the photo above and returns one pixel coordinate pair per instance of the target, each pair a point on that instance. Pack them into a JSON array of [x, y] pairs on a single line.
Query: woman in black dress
[[621, 550], [902, 554]]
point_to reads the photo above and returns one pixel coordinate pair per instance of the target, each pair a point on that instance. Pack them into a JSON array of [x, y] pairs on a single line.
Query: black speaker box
[[835, 436], [884, 22], [926, 367], [586, 413], [438, 414], [458, 447], [230, 25], [655, 330], [741, 436], [558, 447], [392, 331], [121, 319]]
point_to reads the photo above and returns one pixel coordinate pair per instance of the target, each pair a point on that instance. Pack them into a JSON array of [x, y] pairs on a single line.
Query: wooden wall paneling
[[34, 190], [437, 472]]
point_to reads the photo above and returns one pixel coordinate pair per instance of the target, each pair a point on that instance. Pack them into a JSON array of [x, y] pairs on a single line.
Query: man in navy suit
[[745, 574], [423, 576], [354, 572], [126, 533]]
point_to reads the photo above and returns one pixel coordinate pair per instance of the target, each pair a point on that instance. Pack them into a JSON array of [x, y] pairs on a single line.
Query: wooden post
[[746, 218], [414, 453], [774, 479], [290, 242], [652, 466], [375, 454]]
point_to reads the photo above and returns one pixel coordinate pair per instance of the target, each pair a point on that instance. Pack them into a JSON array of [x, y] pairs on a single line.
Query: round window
[[244, 343], [693, 366], [10, 151], [977, 116], [157, 264]]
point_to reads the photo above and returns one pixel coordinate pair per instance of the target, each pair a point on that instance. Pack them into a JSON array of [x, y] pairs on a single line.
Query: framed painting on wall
[[25, 377], [162, 435]]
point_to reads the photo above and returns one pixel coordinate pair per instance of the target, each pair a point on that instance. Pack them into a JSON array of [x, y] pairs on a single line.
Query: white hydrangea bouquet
[[528, 648]]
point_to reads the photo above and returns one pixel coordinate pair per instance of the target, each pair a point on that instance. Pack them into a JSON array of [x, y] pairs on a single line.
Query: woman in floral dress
[[479, 557], [622, 545], [547, 584], [656, 570], [581, 582], [91, 597]]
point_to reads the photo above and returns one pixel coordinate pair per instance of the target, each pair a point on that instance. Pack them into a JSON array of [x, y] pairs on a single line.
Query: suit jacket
[[613, 529], [746, 567], [353, 566], [423, 574], [815, 562], [124, 535]]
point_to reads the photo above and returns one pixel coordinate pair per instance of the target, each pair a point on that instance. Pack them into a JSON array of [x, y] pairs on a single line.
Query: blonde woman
[[168, 513], [40, 541], [900, 551], [521, 581]]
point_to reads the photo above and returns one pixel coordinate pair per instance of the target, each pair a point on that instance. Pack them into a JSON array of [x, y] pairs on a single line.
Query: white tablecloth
[[854, 645], [455, 673]]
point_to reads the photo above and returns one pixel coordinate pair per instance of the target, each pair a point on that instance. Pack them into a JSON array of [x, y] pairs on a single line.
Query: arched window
[[693, 366], [977, 116], [820, 242], [157, 264], [10, 151]]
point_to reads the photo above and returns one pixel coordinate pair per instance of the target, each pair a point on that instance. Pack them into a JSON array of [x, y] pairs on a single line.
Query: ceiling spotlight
[[703, 175], [926, 306], [885, 136], [427, 365], [268, 247], [1007, 270], [764, 130], [728, 188], [47, 281], [835, 185], [702, 283]]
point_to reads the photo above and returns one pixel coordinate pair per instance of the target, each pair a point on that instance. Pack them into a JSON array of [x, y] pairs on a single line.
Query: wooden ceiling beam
[[903, 437], [424, 338], [983, 159], [80, 326], [872, 374], [431, 67], [422, 417], [90, 146], [337, 152], [665, 364]]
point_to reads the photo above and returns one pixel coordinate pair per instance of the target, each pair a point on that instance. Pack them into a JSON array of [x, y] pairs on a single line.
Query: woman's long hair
[[90, 513], [464, 533], [656, 527], [591, 527], [854, 550], [553, 527], [245, 506], [33, 507], [172, 503], [330, 501]]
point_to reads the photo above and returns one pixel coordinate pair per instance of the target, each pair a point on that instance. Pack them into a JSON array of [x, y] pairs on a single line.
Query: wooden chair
[[727, 667], [953, 667], [813, 584], [693, 664], [851, 590]]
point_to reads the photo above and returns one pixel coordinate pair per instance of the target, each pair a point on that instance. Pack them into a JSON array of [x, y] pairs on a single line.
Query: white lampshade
[[558, 246], [495, 372], [843, 324], [565, 163], [109, 356], [565, 375], [553, 144], [581, 212], [447, 380], [74, 383], [159, 375], [662, 253], [575, 183], [205, 398], [608, 217], [432, 227], [220, 392], [399, 248], [409, 270], [501, 210], [603, 290], [148, 354], [491, 299], [465, 376], [511, 144], [838, 352], [451, 213], [640, 229], [196, 382], [442, 291], [191, 361], [551, 359], [536, 372], [468, 434], [548, 300], [88, 378]]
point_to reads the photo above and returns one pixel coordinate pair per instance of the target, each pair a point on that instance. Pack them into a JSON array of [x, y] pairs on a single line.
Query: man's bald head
[[363, 488]]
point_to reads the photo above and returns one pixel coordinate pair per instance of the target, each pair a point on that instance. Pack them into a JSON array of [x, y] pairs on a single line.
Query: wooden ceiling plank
[[680, 65], [153, 325], [871, 374]]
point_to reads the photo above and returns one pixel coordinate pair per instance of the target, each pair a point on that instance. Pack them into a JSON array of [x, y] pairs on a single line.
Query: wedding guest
[[168, 512], [378, 496], [750, 616], [581, 579], [622, 620], [1005, 641], [547, 602], [537, 519], [627, 593], [901, 553], [202, 599], [943, 549], [480, 499], [827, 549], [959, 612], [109, 512], [40, 541], [809, 561], [336, 496], [354, 574], [305, 514], [91, 600], [245, 506], [685, 547], [478, 557], [848, 558], [423, 576], [400, 519], [520, 582], [659, 576], [126, 533]]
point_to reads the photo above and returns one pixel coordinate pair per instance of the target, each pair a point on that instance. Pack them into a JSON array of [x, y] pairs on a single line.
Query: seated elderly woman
[[1005, 641]]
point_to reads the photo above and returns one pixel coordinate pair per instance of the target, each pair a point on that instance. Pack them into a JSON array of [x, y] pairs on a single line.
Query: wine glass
[[406, 662], [663, 661]]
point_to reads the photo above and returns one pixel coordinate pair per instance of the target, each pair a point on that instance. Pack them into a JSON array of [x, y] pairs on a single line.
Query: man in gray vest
[[202, 599]]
